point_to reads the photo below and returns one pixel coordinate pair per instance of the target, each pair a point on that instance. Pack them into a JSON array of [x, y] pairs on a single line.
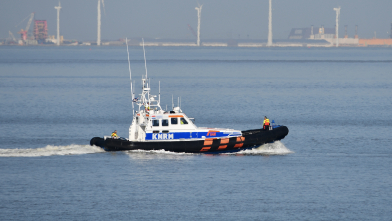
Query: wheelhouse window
[[183, 121], [155, 123], [165, 122], [174, 120]]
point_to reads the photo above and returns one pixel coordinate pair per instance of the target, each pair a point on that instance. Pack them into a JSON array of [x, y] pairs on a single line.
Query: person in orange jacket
[[266, 123], [114, 134]]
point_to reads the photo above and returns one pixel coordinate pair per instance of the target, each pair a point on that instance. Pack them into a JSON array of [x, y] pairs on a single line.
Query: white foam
[[275, 148], [50, 150], [156, 154]]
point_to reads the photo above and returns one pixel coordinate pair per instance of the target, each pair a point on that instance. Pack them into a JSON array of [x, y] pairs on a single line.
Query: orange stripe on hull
[[225, 140], [222, 147], [205, 148], [239, 145], [208, 142], [240, 139]]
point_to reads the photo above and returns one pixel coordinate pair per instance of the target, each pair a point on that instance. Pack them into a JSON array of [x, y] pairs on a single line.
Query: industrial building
[[40, 30], [375, 42], [306, 33], [322, 33]]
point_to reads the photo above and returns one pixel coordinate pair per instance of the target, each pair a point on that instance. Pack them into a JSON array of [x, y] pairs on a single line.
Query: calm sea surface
[[335, 163]]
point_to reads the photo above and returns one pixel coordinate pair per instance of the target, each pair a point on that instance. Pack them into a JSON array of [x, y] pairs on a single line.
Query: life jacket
[[114, 135], [266, 122]]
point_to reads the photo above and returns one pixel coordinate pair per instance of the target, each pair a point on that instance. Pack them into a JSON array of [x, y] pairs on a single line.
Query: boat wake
[[50, 150], [275, 148]]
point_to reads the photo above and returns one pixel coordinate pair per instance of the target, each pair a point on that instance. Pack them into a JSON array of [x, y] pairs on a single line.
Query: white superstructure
[[152, 123]]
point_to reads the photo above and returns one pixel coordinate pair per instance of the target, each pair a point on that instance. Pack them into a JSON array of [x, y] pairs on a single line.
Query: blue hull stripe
[[187, 135]]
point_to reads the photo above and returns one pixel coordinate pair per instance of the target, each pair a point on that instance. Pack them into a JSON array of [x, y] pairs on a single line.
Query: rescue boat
[[153, 128]]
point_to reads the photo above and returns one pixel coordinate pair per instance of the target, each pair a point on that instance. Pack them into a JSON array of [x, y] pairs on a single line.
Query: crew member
[[266, 123], [114, 134]]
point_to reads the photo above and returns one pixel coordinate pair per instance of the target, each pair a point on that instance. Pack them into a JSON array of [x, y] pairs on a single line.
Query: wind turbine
[[270, 25], [198, 9], [337, 25], [99, 21], [58, 23]]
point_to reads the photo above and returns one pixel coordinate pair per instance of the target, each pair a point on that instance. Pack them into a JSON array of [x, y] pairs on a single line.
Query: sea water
[[334, 164]]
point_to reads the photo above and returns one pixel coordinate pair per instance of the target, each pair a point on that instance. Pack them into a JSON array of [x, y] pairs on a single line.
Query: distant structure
[[309, 33], [193, 31], [99, 21], [40, 30], [24, 33], [337, 25], [198, 9], [58, 23], [322, 31], [345, 32], [12, 37], [374, 42], [270, 24], [390, 36]]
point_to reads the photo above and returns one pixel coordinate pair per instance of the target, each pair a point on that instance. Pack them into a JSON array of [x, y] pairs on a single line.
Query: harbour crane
[[11, 36], [22, 32], [191, 29]]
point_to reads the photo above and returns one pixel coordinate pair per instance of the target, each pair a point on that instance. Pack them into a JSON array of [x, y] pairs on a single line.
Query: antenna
[[58, 23], [178, 101], [270, 25], [133, 91], [130, 73], [145, 62], [172, 102], [159, 98]]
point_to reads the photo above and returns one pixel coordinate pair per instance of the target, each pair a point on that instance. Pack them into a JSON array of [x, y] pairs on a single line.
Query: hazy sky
[[220, 18]]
